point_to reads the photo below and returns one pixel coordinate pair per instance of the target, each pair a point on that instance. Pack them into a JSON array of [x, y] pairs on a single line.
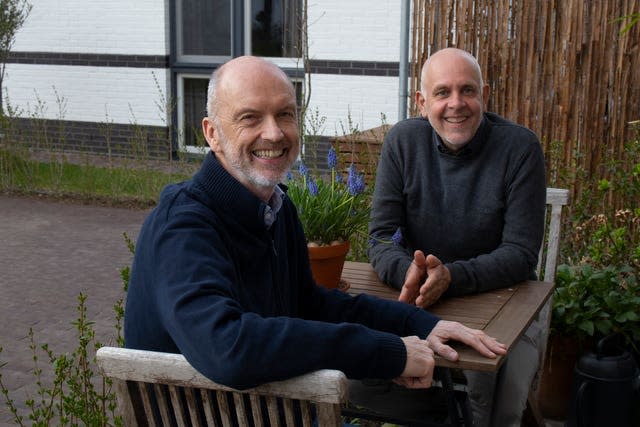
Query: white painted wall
[[92, 94], [363, 99], [358, 30], [361, 30], [95, 26]]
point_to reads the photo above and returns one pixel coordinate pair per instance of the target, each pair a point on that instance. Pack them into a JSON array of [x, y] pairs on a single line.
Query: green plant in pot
[[333, 210], [593, 302], [595, 297]]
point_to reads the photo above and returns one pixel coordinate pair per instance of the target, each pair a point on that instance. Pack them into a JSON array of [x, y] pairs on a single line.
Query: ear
[[210, 133], [485, 97], [421, 102]]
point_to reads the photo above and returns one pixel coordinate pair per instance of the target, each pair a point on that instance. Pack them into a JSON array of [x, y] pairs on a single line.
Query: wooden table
[[503, 314]]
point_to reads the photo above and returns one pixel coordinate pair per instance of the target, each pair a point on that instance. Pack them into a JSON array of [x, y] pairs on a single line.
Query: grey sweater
[[481, 211]]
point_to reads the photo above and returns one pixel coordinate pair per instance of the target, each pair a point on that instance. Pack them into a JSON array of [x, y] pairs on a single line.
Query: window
[[203, 30], [209, 32], [192, 90], [275, 28]]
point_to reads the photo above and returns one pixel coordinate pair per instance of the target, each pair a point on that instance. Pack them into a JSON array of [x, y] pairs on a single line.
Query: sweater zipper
[[274, 278]]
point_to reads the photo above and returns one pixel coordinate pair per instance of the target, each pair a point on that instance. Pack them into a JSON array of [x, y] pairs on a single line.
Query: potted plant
[[589, 303], [333, 210]]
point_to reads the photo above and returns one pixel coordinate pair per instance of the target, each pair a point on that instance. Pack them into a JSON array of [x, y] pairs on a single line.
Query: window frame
[[201, 66], [198, 59]]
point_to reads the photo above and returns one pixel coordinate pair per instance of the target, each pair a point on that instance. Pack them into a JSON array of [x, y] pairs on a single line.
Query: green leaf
[[587, 326]]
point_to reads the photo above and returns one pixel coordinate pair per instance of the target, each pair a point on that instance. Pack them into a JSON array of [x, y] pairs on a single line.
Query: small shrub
[[77, 395], [593, 302]]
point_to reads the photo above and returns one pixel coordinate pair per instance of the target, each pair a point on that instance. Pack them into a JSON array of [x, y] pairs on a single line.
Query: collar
[[470, 148], [222, 192], [273, 207]]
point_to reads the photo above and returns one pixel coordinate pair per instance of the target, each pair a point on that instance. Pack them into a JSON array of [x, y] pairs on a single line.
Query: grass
[[129, 183]]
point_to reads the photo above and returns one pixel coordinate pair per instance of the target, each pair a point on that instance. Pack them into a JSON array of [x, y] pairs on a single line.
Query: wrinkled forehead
[[249, 85], [255, 93]]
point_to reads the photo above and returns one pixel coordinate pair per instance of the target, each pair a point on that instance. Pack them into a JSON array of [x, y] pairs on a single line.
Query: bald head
[[448, 56], [239, 72]]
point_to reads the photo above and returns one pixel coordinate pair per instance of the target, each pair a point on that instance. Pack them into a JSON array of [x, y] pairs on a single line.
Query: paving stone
[[50, 252]]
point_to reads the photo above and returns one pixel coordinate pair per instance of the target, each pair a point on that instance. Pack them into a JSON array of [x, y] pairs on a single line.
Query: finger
[[482, 343], [407, 295], [494, 345], [432, 261], [442, 349], [414, 382], [428, 295]]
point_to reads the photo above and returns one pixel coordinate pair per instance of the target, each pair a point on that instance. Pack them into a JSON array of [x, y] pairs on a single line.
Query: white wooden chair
[[557, 198], [163, 389]]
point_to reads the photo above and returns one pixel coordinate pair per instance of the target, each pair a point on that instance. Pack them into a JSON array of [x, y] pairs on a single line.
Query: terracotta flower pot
[[554, 389], [327, 262]]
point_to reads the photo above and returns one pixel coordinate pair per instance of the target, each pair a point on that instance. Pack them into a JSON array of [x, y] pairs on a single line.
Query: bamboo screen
[[560, 67]]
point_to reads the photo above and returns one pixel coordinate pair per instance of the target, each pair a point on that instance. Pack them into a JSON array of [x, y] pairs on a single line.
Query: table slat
[[502, 313]]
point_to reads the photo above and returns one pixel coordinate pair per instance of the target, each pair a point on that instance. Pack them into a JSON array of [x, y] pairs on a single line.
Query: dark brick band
[[89, 59], [317, 66], [356, 68]]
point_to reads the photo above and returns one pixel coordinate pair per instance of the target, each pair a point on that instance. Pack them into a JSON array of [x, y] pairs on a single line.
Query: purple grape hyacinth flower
[[303, 169], [396, 239], [332, 158], [312, 186], [355, 182]]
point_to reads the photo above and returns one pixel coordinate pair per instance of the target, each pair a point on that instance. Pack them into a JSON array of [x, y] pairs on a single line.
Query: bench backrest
[[163, 389], [556, 199]]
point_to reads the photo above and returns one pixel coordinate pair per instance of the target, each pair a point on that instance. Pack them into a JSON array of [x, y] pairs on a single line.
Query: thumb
[[432, 261], [419, 259]]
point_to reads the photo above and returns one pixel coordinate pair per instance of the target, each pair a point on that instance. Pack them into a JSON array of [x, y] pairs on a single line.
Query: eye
[[287, 114], [469, 90], [248, 118]]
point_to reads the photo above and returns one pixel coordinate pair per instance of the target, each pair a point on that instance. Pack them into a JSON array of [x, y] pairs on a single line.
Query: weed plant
[[77, 395]]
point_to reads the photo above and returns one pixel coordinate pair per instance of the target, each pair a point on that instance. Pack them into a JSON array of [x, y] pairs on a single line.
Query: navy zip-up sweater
[[211, 281]]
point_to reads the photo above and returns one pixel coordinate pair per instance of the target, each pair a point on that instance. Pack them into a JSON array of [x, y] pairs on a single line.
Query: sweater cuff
[[401, 273], [422, 322], [459, 283], [392, 357]]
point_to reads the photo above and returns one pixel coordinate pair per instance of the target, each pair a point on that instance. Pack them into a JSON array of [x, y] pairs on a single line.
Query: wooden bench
[[163, 389]]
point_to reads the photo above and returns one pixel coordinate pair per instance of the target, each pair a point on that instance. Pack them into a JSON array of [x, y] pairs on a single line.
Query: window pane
[[275, 28], [205, 27], [195, 98]]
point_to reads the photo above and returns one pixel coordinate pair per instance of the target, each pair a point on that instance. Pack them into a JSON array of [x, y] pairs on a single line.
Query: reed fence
[[563, 68]]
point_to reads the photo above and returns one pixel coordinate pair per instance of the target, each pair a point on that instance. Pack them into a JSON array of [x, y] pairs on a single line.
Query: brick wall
[[144, 142]]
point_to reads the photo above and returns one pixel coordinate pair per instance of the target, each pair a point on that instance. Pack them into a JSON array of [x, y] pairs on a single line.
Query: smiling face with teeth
[[252, 125], [453, 96]]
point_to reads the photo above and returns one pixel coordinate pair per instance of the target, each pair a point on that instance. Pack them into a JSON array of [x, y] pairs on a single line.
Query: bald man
[[467, 190], [221, 271]]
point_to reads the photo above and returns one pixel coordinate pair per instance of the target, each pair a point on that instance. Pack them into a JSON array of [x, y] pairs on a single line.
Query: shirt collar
[[273, 207], [471, 147]]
